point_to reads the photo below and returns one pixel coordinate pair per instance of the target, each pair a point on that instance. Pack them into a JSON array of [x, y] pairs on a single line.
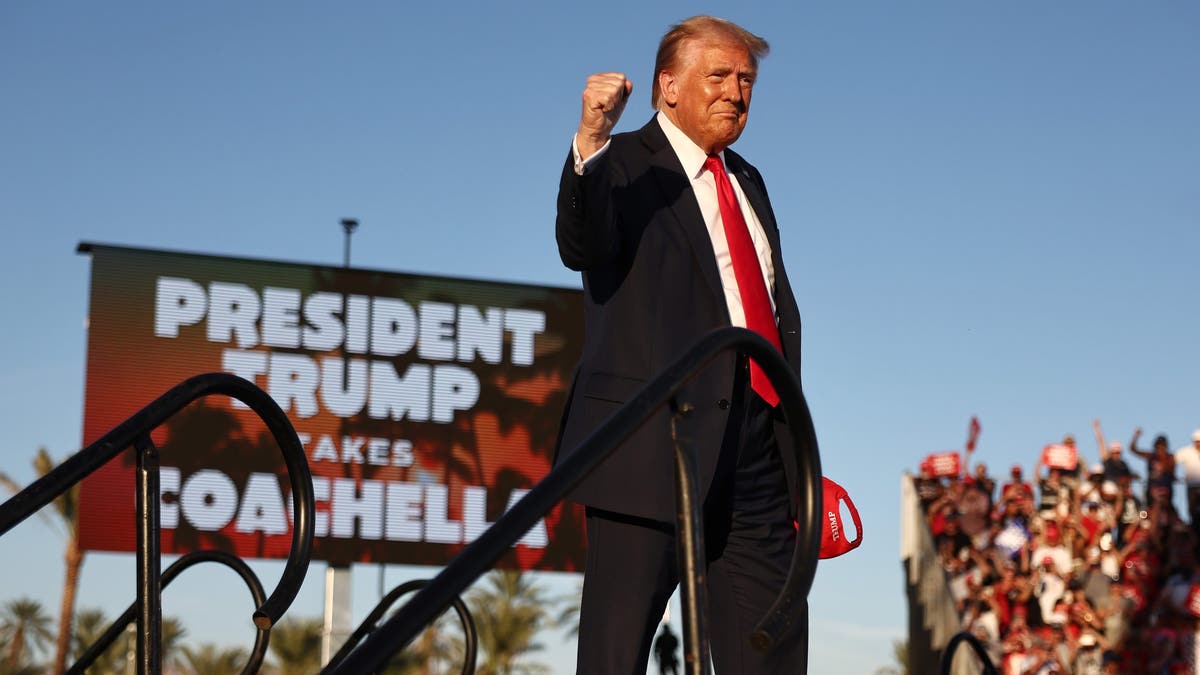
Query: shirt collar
[[690, 155]]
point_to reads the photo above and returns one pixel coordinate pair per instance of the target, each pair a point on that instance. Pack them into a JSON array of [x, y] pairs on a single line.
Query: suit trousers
[[631, 568]]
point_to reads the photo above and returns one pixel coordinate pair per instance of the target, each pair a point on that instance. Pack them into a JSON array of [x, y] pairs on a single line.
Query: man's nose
[[733, 90]]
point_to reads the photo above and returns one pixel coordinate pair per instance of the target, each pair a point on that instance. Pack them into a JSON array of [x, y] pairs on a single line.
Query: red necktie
[[751, 286]]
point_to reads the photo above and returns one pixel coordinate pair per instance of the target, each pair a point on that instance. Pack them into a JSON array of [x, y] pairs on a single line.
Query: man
[[1115, 468], [675, 237], [1188, 457], [1015, 492], [665, 648], [1160, 469]]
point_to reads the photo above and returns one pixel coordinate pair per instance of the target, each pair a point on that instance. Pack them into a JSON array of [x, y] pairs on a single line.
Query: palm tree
[[90, 624], [172, 642], [66, 506], [437, 650], [569, 615], [23, 623], [509, 612], [900, 654], [296, 645], [209, 659]]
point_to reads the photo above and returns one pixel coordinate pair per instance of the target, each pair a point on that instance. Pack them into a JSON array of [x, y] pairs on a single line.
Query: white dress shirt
[[704, 185]]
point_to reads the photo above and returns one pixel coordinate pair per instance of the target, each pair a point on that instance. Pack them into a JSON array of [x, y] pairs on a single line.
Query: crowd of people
[[1074, 568]]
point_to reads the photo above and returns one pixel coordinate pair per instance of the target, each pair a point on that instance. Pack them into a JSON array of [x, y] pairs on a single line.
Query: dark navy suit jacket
[[633, 227]]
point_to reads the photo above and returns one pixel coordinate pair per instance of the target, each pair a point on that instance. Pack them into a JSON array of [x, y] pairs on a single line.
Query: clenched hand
[[604, 100]]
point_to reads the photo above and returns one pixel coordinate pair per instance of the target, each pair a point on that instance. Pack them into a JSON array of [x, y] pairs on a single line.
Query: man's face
[[707, 94]]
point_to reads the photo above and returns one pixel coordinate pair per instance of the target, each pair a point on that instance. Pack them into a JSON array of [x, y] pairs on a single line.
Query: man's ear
[[668, 86]]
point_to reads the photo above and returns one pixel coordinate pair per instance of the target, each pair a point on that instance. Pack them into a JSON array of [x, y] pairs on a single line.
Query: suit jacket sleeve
[[587, 227]]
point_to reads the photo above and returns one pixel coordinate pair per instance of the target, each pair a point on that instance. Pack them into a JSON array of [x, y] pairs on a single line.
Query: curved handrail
[[470, 638], [481, 554], [262, 635], [989, 668], [42, 491]]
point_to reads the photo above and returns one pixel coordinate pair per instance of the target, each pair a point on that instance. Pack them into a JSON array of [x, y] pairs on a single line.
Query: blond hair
[[700, 27]]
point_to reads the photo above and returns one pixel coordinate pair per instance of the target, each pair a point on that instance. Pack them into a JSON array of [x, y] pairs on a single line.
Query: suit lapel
[[789, 327], [758, 200], [677, 193], [762, 208]]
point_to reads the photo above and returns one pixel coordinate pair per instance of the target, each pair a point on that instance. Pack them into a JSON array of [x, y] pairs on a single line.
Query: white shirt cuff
[[583, 164]]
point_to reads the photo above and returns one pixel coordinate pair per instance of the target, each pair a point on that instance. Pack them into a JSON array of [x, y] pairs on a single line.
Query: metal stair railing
[[368, 626], [403, 626], [980, 651], [135, 432], [110, 635]]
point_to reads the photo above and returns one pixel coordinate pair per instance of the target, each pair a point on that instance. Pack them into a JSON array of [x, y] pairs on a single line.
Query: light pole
[[349, 225], [337, 576]]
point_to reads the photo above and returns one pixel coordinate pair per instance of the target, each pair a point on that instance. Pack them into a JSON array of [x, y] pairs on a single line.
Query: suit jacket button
[[723, 404]]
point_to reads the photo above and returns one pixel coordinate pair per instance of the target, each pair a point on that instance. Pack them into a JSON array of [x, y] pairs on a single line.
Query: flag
[[973, 433], [1012, 538]]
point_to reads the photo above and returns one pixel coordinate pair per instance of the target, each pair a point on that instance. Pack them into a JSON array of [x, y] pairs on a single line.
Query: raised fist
[[604, 100]]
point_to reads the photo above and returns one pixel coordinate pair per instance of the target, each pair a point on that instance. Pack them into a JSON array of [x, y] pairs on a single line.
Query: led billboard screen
[[426, 405]]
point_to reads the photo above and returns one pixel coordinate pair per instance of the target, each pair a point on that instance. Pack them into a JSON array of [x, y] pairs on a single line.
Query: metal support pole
[[149, 562], [337, 610], [689, 549]]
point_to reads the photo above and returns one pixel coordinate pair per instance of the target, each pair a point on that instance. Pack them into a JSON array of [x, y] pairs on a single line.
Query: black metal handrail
[[470, 637], [481, 554], [262, 636], [135, 431], [952, 646]]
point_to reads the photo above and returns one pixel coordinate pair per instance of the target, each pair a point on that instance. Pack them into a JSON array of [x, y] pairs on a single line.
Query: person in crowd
[[1049, 588], [1187, 458], [975, 505], [1130, 510], [1115, 467], [1089, 659], [1093, 582], [980, 480], [941, 510], [1160, 467], [1015, 491], [929, 488], [1050, 546], [1053, 494], [952, 533]]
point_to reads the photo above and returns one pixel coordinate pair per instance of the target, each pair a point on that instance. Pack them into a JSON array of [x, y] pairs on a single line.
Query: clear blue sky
[[987, 209]]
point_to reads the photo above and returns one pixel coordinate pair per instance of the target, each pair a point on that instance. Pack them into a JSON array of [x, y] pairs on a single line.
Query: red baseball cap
[[834, 541]]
